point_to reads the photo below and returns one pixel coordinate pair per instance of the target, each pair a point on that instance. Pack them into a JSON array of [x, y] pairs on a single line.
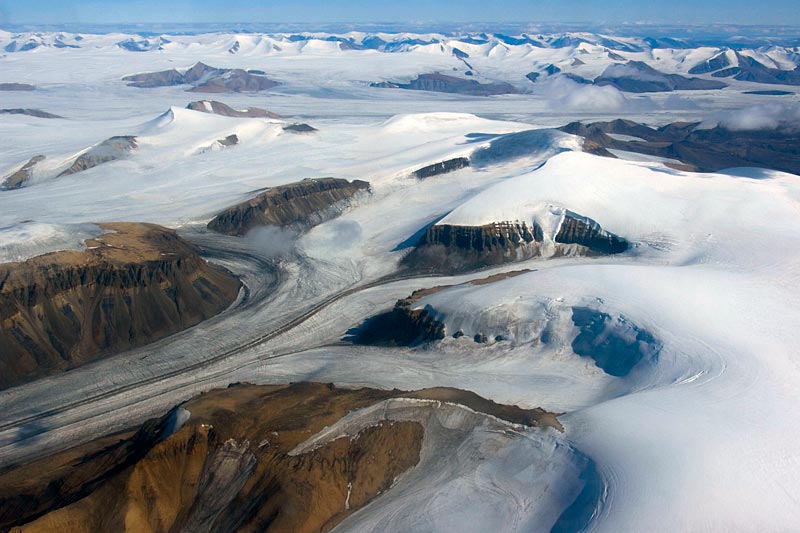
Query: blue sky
[[783, 12]]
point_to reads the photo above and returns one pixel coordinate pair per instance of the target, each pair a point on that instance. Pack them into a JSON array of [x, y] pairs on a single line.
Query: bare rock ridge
[[299, 128], [111, 149], [712, 64], [38, 113], [402, 326], [632, 77], [16, 87], [450, 84], [701, 149], [230, 140], [304, 203], [21, 177], [462, 248], [442, 167], [218, 108], [405, 325], [745, 68], [587, 233], [241, 462], [204, 79], [639, 77], [453, 248], [134, 285], [143, 45]]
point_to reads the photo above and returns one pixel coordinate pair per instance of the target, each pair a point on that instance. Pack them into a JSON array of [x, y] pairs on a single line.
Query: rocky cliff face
[[247, 459], [588, 234], [443, 167], [446, 247], [402, 326], [304, 203], [130, 287], [218, 108]]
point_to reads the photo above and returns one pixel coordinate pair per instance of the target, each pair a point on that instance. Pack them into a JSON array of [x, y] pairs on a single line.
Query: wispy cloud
[[773, 116]]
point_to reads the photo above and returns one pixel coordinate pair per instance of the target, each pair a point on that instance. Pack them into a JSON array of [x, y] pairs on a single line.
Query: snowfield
[[699, 435]]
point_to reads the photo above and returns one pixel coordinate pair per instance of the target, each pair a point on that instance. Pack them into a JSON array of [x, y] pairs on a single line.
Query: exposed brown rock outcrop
[[111, 149], [442, 167], [304, 203], [450, 248], [205, 79], [458, 248], [21, 177], [700, 149], [130, 287], [587, 233], [405, 326], [299, 128], [232, 466], [402, 326], [230, 140], [218, 108]]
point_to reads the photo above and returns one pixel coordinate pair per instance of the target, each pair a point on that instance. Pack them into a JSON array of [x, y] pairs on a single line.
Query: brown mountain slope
[[132, 286], [305, 203], [238, 464]]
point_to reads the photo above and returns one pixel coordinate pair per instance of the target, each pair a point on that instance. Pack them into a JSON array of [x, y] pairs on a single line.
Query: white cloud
[[568, 95], [761, 117]]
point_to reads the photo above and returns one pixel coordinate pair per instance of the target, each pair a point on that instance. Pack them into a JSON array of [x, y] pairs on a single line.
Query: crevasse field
[[701, 435]]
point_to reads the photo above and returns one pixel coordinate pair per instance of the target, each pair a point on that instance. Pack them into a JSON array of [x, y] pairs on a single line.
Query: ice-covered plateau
[[629, 324]]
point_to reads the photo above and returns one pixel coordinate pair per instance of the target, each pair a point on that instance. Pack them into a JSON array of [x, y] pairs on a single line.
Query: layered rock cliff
[[458, 248], [304, 203], [131, 286], [588, 234], [451, 248], [442, 167]]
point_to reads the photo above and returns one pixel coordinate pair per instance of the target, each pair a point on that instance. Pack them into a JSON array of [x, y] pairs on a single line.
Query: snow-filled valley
[[672, 365]]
